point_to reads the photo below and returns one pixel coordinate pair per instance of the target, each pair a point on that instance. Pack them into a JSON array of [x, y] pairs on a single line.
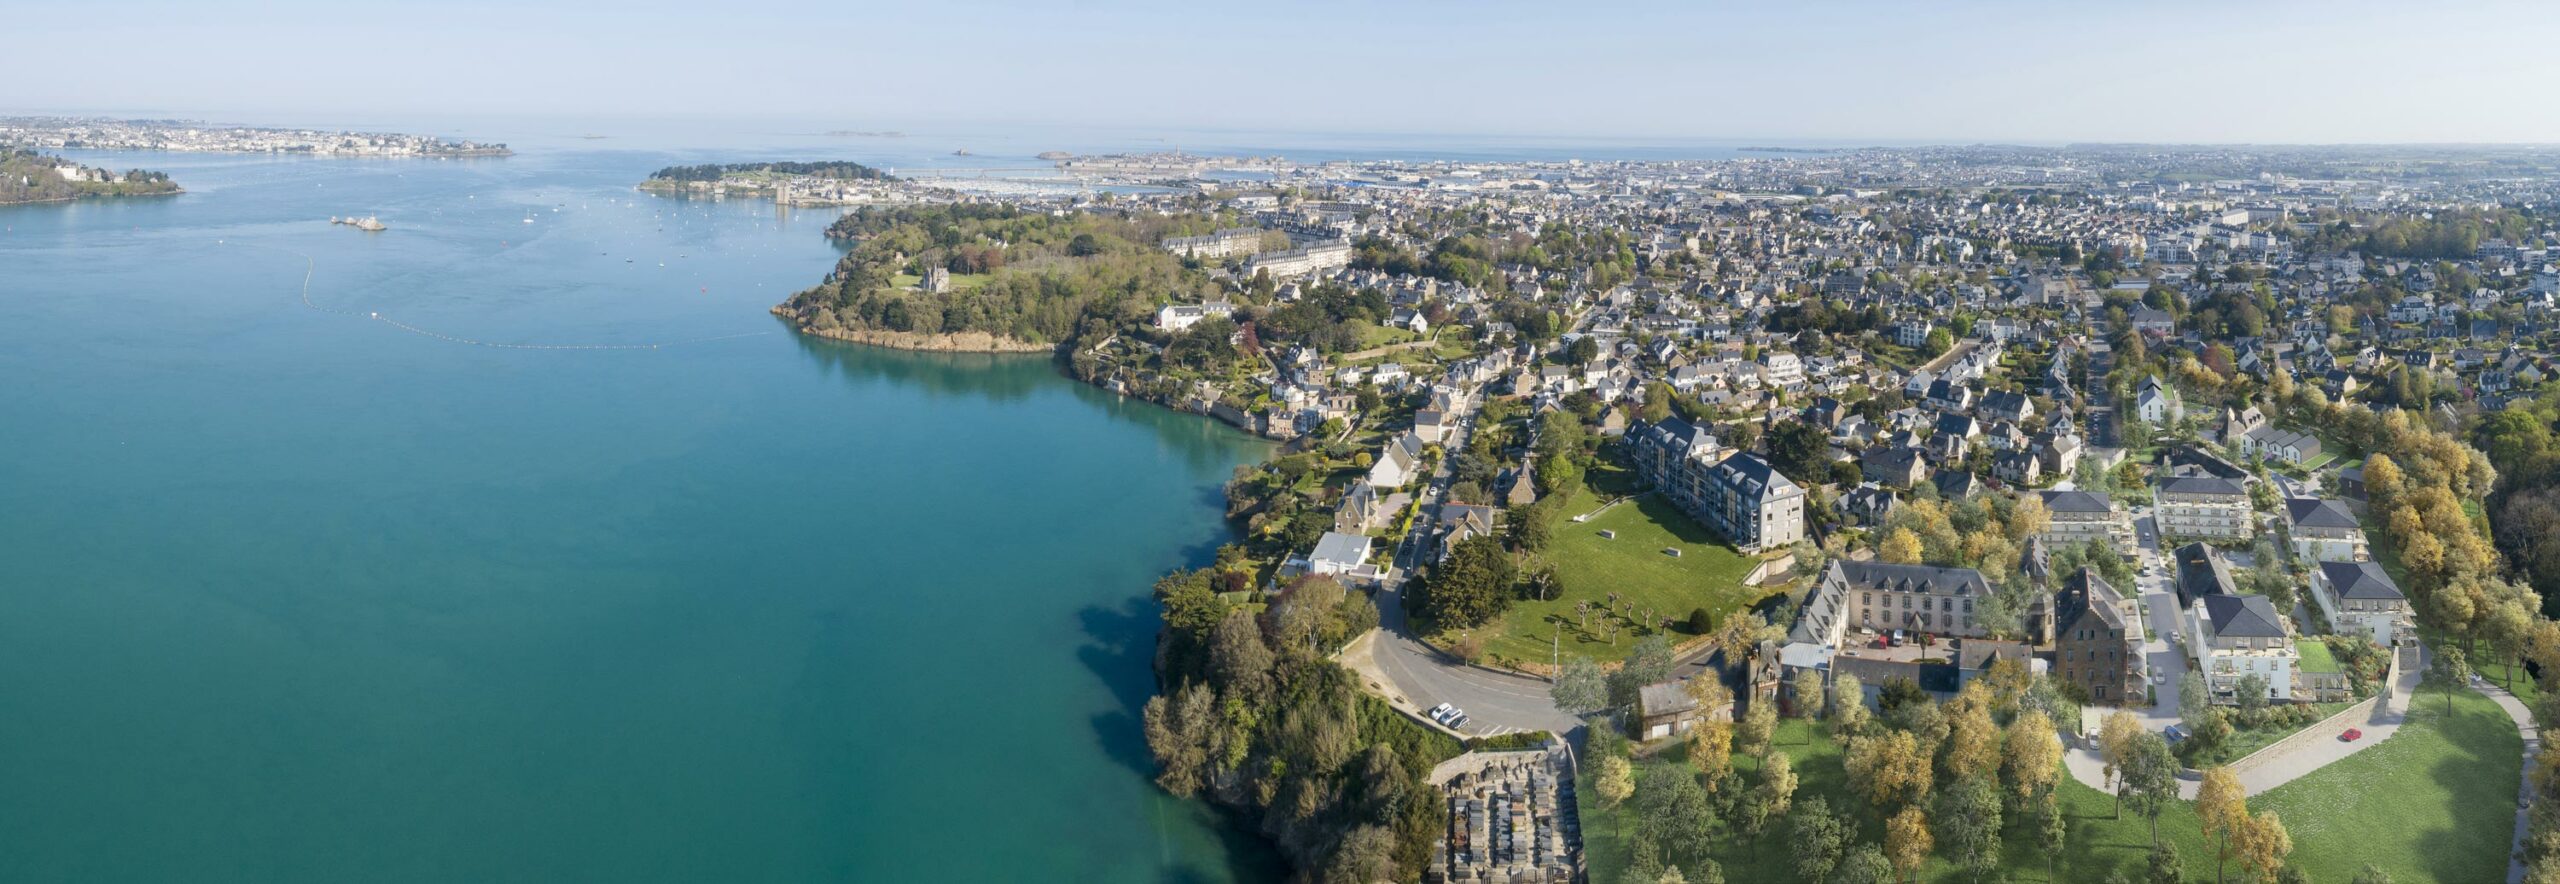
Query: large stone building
[[2098, 641], [1879, 596], [1738, 496]]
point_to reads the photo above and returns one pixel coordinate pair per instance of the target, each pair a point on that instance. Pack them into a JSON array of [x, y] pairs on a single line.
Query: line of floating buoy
[[311, 267]]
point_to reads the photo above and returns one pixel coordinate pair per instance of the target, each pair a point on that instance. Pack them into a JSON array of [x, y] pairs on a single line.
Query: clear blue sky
[[2053, 70]]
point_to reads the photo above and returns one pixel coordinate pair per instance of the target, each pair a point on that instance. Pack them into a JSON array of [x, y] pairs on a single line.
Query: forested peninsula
[[30, 177]]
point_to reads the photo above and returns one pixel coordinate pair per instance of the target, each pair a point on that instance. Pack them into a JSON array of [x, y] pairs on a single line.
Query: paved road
[[1495, 702], [2532, 749]]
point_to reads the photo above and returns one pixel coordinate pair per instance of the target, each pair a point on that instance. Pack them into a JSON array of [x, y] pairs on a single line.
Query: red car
[[2350, 735]]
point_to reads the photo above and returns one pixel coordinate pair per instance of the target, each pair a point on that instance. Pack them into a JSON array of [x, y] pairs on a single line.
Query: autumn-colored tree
[[1900, 547], [1907, 842], [2116, 734], [2028, 519], [2223, 807], [2264, 845], [1711, 749], [1848, 706], [1889, 769], [2031, 754], [1778, 782], [1757, 727], [1973, 739], [1808, 693], [1615, 783]]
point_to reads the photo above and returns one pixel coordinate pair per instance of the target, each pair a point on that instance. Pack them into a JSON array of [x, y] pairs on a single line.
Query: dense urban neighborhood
[[2089, 513]]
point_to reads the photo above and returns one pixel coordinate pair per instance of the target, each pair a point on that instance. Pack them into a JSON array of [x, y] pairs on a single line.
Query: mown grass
[[2436, 802]]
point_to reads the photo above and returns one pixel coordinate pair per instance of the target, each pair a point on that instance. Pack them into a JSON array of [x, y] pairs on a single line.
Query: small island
[[832, 183], [30, 177]]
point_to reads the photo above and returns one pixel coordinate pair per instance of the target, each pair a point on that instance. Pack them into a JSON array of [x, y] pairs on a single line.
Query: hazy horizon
[[1995, 71]]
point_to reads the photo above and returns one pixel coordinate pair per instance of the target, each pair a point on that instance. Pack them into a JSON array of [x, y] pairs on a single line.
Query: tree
[[1901, 547], [2251, 692], [2223, 807], [1648, 662], [1808, 693], [2193, 700], [1865, 865], [1967, 821], [2050, 830], [1848, 706], [1367, 853], [2263, 845], [1817, 840], [2031, 754], [1907, 841], [1973, 740], [2149, 778], [1757, 727], [2372, 874], [1580, 688], [1239, 659], [1472, 586], [2163, 865], [1800, 451], [2116, 734], [1711, 748], [1778, 782], [1889, 768], [1616, 781], [2454, 667]]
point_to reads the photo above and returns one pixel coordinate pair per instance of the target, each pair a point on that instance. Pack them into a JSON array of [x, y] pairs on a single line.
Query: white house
[[2360, 597]]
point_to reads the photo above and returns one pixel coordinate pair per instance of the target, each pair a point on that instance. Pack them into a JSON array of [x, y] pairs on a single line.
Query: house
[[2324, 531], [2203, 506], [1949, 396], [2008, 405], [2237, 636], [1176, 317], [1868, 505], [2060, 449], [1667, 709], [2157, 404], [2017, 467], [2269, 443], [2360, 597], [2201, 572], [2152, 321], [1957, 485], [2081, 516], [1398, 464], [2098, 641], [1893, 467], [1432, 425]]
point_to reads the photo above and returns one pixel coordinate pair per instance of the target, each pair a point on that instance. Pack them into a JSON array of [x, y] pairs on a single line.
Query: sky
[[1952, 71]]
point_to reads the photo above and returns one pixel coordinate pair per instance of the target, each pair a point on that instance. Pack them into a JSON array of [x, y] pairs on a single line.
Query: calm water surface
[[292, 594]]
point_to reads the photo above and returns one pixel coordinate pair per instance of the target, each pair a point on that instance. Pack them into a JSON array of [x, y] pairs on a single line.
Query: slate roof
[[2312, 512], [2360, 580], [2243, 616], [2077, 502], [2214, 485], [2202, 572]]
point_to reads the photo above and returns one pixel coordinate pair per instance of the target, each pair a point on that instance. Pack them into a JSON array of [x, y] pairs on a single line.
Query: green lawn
[[2244, 741], [2434, 803], [1374, 335], [2315, 656], [1707, 574]]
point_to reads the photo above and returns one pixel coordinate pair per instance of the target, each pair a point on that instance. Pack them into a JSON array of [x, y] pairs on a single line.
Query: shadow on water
[[1199, 441]]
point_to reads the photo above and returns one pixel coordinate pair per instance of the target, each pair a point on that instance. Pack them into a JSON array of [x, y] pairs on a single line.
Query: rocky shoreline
[[962, 342]]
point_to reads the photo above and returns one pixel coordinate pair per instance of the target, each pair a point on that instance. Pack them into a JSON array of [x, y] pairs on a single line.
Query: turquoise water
[[289, 594]]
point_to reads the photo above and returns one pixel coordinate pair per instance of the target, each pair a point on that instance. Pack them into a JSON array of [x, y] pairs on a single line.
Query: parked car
[[1441, 712], [1897, 638], [1457, 720], [2159, 679], [2350, 735], [2176, 733]]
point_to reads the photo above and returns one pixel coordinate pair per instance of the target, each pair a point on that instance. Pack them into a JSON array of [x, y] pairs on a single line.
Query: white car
[[1442, 712]]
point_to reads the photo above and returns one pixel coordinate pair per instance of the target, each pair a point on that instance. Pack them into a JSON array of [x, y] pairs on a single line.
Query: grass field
[[2434, 803], [1374, 335], [1707, 574]]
